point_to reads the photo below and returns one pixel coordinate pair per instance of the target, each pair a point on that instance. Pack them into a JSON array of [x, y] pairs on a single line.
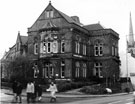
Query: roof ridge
[[69, 17]]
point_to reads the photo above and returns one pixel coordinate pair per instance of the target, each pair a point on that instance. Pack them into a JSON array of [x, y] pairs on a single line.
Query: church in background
[[61, 47]]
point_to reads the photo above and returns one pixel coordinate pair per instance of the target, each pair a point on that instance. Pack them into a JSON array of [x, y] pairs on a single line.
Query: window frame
[[62, 47], [36, 48], [48, 47], [98, 49], [49, 14], [62, 69], [98, 69], [84, 49], [77, 47], [84, 70], [77, 70]]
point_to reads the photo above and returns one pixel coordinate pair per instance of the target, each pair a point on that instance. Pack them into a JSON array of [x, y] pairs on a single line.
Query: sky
[[18, 15]]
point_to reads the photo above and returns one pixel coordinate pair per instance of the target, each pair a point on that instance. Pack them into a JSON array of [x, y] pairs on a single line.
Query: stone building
[[18, 49], [62, 47]]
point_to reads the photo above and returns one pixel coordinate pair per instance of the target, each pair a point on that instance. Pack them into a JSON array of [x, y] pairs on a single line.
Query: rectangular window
[[35, 48], [98, 69], [112, 50], [49, 14], [55, 47], [77, 47], [77, 70], [44, 47], [48, 47], [84, 70], [62, 69], [116, 51], [98, 49], [84, 49], [62, 47]]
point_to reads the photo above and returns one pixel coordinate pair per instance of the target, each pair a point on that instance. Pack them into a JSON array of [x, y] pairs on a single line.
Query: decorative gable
[[48, 24], [58, 18]]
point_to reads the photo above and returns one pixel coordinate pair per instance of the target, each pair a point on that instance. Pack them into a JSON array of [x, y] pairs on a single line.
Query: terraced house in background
[[61, 46]]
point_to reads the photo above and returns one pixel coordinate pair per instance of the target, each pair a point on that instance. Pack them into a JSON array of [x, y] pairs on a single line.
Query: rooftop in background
[[24, 39], [96, 26]]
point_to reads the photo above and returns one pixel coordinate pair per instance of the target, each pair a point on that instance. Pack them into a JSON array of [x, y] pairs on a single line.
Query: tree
[[20, 68], [111, 72]]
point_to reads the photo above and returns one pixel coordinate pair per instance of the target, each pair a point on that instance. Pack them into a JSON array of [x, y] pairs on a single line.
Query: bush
[[95, 89], [100, 89], [66, 85]]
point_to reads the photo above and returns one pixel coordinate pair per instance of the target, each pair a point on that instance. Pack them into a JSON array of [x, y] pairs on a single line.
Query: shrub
[[65, 85], [95, 89]]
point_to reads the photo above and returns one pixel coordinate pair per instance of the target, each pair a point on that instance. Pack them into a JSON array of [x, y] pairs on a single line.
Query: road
[[124, 99], [121, 99]]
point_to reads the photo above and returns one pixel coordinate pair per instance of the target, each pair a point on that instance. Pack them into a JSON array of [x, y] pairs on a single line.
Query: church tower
[[131, 34]]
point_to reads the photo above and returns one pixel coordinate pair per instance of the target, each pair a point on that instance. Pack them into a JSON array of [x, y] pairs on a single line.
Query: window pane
[[49, 47], [55, 47], [76, 47], [47, 14], [51, 14], [62, 47]]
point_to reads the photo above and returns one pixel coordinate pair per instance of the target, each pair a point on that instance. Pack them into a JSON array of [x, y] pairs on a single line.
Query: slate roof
[[69, 19], [94, 27]]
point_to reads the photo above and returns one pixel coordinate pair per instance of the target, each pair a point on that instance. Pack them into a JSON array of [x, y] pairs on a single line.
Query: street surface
[[121, 99], [124, 99]]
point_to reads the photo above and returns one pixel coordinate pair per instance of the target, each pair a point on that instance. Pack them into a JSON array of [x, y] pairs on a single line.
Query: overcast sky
[[18, 15]]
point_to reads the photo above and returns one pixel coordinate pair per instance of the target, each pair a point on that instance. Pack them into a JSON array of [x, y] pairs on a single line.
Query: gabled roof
[[69, 19], [24, 39], [94, 27], [41, 21]]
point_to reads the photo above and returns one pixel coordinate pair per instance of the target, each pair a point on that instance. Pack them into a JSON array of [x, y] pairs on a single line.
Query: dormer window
[[49, 14]]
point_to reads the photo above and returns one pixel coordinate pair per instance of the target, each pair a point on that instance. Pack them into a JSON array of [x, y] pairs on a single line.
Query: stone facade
[[61, 47], [66, 49]]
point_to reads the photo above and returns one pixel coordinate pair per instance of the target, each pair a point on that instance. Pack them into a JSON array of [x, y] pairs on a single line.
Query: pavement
[[69, 94]]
